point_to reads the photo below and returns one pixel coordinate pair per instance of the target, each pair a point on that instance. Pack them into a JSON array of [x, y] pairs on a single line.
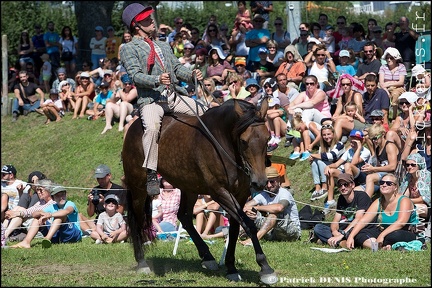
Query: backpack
[[309, 218]]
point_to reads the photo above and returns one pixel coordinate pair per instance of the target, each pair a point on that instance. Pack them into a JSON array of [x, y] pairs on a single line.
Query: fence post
[[4, 101]]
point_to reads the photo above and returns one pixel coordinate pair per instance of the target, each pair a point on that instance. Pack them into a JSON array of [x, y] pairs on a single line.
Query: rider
[[154, 69]]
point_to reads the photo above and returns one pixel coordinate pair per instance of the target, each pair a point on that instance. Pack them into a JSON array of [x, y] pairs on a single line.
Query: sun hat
[[411, 97], [344, 53], [273, 101], [251, 82], [85, 74], [392, 52], [125, 79], [135, 12], [219, 52], [417, 70], [62, 83], [101, 171], [345, 177], [271, 172], [57, 189]]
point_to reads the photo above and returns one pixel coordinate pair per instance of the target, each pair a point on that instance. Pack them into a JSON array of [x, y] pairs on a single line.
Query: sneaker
[[277, 140], [272, 147], [294, 155], [14, 117], [328, 205], [318, 194], [152, 183], [26, 112], [98, 241], [287, 143], [312, 238], [305, 156], [271, 141]]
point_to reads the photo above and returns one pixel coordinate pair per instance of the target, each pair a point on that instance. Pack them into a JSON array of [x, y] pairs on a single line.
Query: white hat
[[344, 53], [393, 52], [62, 83], [219, 52], [273, 101], [411, 97], [417, 70]]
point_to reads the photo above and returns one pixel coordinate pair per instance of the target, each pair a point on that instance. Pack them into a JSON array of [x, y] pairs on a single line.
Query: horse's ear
[[264, 106]]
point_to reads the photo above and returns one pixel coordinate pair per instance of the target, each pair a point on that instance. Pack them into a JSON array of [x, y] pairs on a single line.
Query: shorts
[[359, 125], [67, 233], [285, 230], [46, 77]]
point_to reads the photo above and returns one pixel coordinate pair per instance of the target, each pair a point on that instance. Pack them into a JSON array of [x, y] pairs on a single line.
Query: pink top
[[323, 106]]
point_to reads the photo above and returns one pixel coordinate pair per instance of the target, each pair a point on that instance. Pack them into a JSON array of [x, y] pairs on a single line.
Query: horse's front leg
[[184, 214]]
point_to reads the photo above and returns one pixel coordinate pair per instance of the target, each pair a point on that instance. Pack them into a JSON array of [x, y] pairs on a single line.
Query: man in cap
[[274, 211], [59, 222], [262, 8], [11, 186], [153, 67], [350, 208]]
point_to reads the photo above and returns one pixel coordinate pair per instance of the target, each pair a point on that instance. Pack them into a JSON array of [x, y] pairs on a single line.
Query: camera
[[96, 197], [291, 7]]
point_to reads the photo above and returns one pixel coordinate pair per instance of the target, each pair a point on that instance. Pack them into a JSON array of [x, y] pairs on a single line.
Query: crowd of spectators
[[340, 94]]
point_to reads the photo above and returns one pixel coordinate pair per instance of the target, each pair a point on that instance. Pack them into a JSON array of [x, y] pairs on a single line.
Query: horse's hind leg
[[185, 216]]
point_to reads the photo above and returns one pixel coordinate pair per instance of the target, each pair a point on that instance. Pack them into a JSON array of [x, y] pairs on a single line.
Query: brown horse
[[221, 153]]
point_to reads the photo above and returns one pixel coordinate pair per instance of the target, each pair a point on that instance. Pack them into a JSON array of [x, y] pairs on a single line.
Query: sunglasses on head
[[388, 183], [327, 126]]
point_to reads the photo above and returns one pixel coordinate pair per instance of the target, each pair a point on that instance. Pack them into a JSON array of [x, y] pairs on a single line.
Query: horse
[[221, 153]]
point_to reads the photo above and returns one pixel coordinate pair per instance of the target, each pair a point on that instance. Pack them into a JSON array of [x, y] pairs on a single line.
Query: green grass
[[69, 151]]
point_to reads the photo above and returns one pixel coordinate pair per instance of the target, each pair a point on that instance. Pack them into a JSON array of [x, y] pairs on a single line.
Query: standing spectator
[[26, 100], [280, 35], [392, 76], [69, 50], [274, 212], [53, 107], [38, 45], [84, 93], [263, 8], [53, 46], [98, 46], [25, 49], [377, 37], [340, 24], [329, 40], [405, 41], [323, 22], [46, 72], [127, 37], [386, 42], [371, 63], [292, 67], [238, 44], [59, 222], [112, 43], [110, 226], [256, 39], [350, 209], [170, 198]]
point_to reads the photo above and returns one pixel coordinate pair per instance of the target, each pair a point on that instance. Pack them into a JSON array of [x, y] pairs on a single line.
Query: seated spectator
[[170, 198], [97, 74], [207, 215], [156, 212], [236, 87], [256, 95], [240, 67], [20, 216], [59, 222], [274, 212], [110, 226], [344, 66], [275, 121], [26, 100], [67, 95], [350, 162], [350, 118], [392, 76], [205, 95], [331, 150], [416, 184], [374, 98], [53, 107], [320, 64], [218, 68], [11, 186], [262, 68], [100, 102], [403, 123], [371, 63], [274, 55], [423, 81], [84, 93], [350, 209], [386, 155], [394, 213], [292, 67]]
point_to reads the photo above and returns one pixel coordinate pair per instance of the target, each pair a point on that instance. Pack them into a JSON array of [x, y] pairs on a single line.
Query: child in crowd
[[157, 212], [53, 107], [46, 72], [345, 67], [243, 17], [100, 101], [110, 226], [351, 112], [329, 40]]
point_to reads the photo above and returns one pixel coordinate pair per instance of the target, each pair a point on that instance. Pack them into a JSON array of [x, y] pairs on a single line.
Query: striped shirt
[[334, 154], [389, 76], [39, 206]]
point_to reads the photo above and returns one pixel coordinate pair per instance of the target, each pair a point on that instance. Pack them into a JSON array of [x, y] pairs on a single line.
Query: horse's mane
[[241, 115]]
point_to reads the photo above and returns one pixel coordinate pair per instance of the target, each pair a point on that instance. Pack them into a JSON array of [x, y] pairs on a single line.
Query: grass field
[[69, 151]]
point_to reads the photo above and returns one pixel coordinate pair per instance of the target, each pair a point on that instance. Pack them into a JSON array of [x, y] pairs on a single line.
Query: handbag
[[66, 56]]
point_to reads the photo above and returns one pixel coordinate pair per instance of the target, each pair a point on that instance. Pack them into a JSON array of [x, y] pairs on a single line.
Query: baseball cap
[[101, 171], [125, 79], [273, 101], [61, 70], [104, 84], [263, 50], [377, 113], [110, 28], [99, 28], [258, 16], [411, 97], [38, 174], [57, 189], [344, 53], [85, 74], [112, 197], [357, 134], [9, 169], [328, 27], [271, 172], [345, 177], [240, 61]]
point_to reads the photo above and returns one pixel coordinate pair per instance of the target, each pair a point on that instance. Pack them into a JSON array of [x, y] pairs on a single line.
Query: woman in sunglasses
[[403, 123], [416, 184], [395, 215], [387, 156]]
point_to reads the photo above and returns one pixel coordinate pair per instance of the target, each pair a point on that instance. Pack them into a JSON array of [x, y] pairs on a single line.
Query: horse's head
[[252, 142]]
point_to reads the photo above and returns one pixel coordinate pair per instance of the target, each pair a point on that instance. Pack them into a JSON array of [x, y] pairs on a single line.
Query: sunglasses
[[67, 84], [267, 87], [317, 29], [309, 83], [110, 201], [233, 82], [240, 65], [389, 58], [271, 181], [388, 183], [343, 184], [340, 22], [376, 137], [368, 51], [346, 84], [404, 103], [193, 33], [411, 164], [207, 85], [377, 31], [187, 48], [107, 75], [322, 55], [212, 30], [278, 24], [303, 34], [179, 23], [259, 21]]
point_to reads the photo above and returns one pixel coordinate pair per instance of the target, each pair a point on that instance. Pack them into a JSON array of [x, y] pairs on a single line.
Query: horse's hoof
[[234, 277], [143, 270], [210, 265], [269, 279]]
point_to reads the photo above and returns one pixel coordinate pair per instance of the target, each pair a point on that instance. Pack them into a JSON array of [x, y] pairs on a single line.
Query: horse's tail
[[141, 229]]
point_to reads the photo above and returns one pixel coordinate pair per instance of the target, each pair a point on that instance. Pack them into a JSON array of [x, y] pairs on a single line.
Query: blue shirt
[[52, 37], [71, 218], [103, 98], [346, 69]]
